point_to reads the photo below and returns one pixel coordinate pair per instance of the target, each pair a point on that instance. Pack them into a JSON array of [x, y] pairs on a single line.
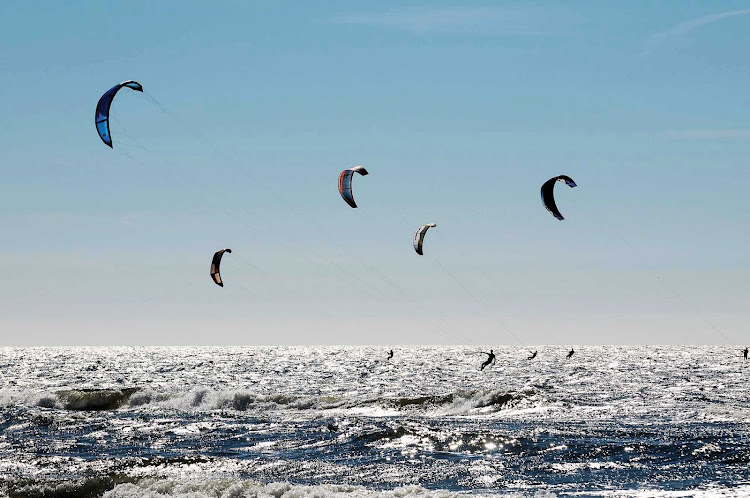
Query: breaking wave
[[205, 399], [241, 489], [113, 487]]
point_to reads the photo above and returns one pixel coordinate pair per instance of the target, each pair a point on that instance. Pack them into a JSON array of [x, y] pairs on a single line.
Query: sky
[[459, 111]]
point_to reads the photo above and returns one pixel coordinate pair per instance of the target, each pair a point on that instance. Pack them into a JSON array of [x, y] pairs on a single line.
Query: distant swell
[[476, 399]]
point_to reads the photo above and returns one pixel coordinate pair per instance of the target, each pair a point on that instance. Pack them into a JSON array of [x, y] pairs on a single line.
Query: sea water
[[345, 422]]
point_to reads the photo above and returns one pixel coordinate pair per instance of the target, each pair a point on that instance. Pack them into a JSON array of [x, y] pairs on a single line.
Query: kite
[[102, 109], [215, 264], [345, 183], [419, 237], [548, 198]]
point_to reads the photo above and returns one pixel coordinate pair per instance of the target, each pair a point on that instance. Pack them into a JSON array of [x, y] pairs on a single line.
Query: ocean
[[345, 422]]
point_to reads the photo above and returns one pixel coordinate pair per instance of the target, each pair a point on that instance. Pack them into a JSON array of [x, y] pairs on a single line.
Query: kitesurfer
[[570, 354], [390, 354], [745, 353], [533, 355], [490, 359]]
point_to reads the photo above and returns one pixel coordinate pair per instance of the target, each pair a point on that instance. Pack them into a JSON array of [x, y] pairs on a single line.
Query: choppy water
[[342, 422]]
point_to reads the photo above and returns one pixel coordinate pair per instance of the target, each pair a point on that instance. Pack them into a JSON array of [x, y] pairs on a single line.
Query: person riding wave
[[489, 361]]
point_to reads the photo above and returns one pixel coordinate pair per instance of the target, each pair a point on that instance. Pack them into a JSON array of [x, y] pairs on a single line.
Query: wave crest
[[233, 488], [205, 399]]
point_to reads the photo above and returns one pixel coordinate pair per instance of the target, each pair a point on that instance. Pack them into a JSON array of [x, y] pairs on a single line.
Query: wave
[[125, 487], [241, 489], [70, 399], [93, 487], [114, 487], [94, 399], [204, 399], [479, 399]]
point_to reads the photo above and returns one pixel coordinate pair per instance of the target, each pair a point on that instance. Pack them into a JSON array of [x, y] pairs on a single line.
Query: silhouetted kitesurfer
[[390, 355], [490, 359], [745, 353], [570, 353], [533, 355]]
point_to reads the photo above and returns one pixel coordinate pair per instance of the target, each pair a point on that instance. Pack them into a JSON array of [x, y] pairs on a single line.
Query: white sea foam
[[228, 488]]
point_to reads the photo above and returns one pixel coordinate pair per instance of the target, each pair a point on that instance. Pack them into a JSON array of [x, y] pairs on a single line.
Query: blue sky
[[459, 110]]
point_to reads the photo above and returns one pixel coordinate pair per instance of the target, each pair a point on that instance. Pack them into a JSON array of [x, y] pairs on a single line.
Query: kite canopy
[[419, 237], [215, 264], [548, 198], [345, 183], [102, 109]]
